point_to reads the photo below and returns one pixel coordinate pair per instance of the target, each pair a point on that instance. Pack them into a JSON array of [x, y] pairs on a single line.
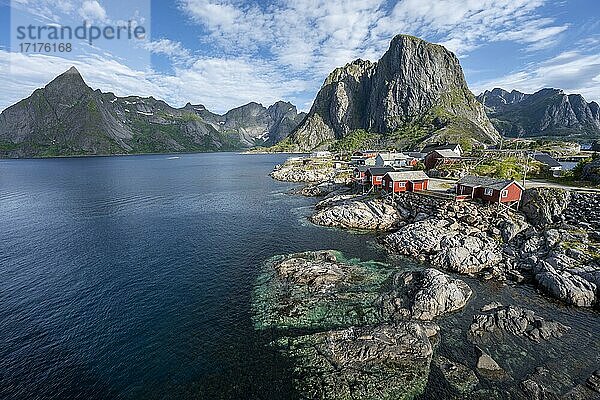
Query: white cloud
[[314, 36], [573, 71], [174, 50], [91, 10]]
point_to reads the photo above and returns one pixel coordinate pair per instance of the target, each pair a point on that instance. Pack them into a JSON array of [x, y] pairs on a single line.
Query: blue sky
[[226, 53]]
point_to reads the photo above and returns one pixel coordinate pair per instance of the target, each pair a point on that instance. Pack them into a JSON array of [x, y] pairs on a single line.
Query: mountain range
[[416, 94], [547, 113], [67, 117]]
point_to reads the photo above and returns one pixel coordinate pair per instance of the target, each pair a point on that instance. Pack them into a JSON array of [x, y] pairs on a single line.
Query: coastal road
[[443, 184], [530, 183]]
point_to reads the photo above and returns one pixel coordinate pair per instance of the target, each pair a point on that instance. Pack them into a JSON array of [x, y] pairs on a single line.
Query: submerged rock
[[425, 295], [458, 376], [388, 361], [318, 290], [515, 321]]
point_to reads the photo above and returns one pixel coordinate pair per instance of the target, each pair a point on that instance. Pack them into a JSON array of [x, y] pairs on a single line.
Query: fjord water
[[131, 277]]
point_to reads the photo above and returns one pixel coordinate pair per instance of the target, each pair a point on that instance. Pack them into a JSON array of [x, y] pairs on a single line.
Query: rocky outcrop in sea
[[387, 361], [356, 212], [295, 171], [498, 319], [355, 329]]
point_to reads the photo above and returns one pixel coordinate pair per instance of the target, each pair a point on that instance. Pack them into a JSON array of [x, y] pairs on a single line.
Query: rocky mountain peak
[[413, 84], [67, 87]]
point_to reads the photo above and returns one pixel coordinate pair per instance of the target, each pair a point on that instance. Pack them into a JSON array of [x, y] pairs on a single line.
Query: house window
[[505, 193], [488, 191], [391, 184], [402, 184]]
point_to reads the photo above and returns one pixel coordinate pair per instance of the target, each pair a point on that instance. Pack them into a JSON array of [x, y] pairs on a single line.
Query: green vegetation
[[190, 117], [156, 138], [577, 171], [508, 168], [8, 146], [419, 166], [355, 140], [410, 134], [285, 146]]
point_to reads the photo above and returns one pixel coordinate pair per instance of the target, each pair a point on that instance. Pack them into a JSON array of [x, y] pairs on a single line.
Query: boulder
[[543, 206], [424, 295], [372, 214], [515, 321], [439, 294], [467, 254], [487, 363], [565, 286]]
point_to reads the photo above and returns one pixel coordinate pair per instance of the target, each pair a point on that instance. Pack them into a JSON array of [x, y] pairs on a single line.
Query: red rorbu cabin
[[490, 190], [405, 181], [358, 174], [374, 175]]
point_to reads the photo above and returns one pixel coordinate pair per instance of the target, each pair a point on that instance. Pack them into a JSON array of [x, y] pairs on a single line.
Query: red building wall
[[408, 186], [513, 193]]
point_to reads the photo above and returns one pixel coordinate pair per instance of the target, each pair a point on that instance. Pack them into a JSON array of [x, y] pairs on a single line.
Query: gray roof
[[486, 182], [447, 153], [546, 159], [408, 175], [379, 170], [392, 156], [362, 168]]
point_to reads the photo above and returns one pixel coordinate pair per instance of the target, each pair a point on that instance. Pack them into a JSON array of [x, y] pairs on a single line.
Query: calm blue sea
[[130, 277]]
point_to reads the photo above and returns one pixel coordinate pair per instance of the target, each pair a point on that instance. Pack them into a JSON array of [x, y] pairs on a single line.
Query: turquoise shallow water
[[131, 278]]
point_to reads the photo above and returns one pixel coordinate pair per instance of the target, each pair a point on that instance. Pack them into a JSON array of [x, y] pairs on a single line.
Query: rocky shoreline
[[553, 242], [372, 323]]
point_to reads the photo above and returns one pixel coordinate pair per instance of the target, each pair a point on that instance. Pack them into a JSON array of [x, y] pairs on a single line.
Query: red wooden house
[[490, 190], [358, 174], [405, 181], [374, 175]]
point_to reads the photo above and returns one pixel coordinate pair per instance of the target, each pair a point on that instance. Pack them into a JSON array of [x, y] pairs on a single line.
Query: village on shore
[[456, 214]]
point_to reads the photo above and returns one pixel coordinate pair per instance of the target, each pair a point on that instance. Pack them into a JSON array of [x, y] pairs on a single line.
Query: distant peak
[[70, 74], [70, 77]]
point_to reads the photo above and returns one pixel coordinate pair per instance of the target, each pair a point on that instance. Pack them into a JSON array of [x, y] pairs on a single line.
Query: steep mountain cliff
[[67, 117], [547, 112], [415, 93]]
